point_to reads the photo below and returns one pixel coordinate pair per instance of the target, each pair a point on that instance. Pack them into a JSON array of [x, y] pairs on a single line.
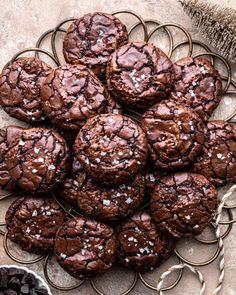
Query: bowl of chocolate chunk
[[17, 280]]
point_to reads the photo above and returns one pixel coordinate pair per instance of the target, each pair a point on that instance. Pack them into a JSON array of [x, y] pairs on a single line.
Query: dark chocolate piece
[[40, 291], [14, 284], [111, 148], [183, 204]]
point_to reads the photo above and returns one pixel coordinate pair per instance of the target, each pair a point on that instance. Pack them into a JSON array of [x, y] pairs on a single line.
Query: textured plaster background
[[22, 22]]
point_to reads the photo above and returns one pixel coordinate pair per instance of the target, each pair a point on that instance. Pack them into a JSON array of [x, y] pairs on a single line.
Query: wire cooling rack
[[183, 263]]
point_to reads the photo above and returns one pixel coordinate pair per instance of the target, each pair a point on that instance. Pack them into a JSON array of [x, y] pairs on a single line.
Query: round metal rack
[[148, 35]]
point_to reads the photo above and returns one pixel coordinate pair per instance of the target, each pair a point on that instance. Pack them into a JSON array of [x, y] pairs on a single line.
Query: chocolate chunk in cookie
[[20, 85], [111, 148], [71, 94], [91, 39], [38, 159], [85, 247], [32, 222], [197, 85], [217, 161], [175, 135], [183, 204], [141, 246], [139, 75]]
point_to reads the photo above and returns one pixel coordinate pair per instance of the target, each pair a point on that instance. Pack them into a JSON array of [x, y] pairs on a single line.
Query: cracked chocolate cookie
[[141, 246], [183, 204], [20, 85], [217, 161], [175, 135], [100, 201], [32, 222], [111, 148], [91, 39], [197, 85], [38, 159], [71, 94], [7, 135], [85, 247], [139, 75]]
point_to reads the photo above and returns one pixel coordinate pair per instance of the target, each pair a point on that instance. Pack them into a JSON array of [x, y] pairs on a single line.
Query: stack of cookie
[[104, 163]]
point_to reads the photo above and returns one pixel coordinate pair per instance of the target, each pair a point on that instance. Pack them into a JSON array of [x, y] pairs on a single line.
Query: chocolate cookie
[[71, 94], [141, 247], [38, 159], [111, 148], [20, 85], [100, 201], [183, 204], [139, 74], [85, 247], [175, 135], [32, 222], [197, 85], [7, 135], [217, 162], [91, 39]]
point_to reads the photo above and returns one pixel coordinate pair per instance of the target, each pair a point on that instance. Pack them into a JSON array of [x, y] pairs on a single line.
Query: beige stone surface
[[22, 21]]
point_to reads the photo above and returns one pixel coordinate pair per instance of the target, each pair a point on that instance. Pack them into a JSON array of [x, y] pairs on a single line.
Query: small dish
[[41, 282]]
